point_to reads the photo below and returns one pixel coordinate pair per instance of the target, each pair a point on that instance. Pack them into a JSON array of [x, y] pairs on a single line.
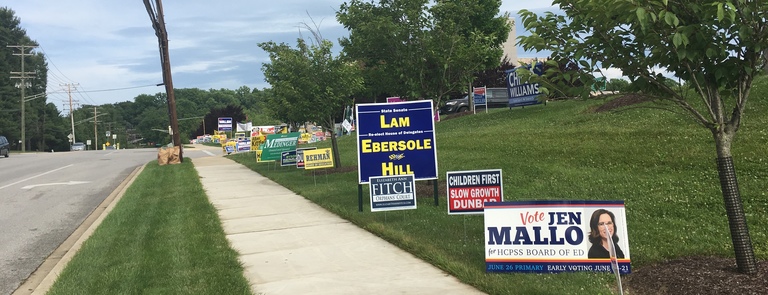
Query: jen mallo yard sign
[[556, 236]]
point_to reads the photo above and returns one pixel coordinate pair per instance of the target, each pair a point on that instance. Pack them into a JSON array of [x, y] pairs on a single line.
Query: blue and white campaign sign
[[479, 95], [392, 192], [396, 139], [556, 236], [243, 145], [225, 124], [288, 158], [523, 93]]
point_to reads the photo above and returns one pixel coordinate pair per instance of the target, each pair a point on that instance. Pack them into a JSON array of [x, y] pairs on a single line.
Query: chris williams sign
[[556, 236], [396, 139], [522, 93]]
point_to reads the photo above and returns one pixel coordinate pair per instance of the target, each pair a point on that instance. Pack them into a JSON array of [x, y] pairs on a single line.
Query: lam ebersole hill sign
[[556, 236], [396, 139]]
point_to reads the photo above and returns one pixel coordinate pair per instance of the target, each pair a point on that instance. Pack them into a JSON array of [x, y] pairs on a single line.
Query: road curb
[[41, 280]]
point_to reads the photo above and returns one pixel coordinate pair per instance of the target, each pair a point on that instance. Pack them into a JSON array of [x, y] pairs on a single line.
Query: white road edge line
[[36, 176], [209, 153]]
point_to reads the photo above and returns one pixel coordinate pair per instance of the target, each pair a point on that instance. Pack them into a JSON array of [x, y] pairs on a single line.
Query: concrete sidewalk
[[289, 245]]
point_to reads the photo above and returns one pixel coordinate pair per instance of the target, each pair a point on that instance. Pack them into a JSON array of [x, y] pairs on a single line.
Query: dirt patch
[[697, 275], [426, 189], [621, 101]]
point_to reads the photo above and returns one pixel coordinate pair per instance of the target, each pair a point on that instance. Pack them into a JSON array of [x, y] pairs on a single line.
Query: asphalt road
[[44, 197]]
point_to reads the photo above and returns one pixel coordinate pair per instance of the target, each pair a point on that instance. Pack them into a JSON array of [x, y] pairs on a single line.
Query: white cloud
[[516, 5], [111, 44], [612, 73]]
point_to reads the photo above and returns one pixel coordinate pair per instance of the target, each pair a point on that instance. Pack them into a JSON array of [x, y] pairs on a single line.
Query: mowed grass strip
[[660, 163], [163, 237]]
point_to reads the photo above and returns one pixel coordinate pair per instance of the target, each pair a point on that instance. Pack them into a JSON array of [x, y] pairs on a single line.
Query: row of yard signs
[[396, 147], [282, 147]]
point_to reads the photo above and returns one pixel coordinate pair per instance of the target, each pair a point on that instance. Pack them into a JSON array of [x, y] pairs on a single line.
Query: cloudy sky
[[109, 48]]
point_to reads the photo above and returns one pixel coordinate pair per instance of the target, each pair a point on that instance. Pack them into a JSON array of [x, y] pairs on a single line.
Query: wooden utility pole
[[158, 23], [95, 134], [71, 109], [23, 76]]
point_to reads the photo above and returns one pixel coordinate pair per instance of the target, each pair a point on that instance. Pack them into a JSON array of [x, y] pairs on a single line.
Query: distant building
[[510, 46], [530, 60]]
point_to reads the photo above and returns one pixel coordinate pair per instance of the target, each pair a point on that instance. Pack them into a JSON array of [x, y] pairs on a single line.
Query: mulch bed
[[621, 101], [696, 275]]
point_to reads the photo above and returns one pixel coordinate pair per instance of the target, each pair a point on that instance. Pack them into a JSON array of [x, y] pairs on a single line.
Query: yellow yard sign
[[256, 141], [258, 156], [319, 158]]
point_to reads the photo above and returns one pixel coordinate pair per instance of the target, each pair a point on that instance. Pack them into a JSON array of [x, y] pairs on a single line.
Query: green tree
[[35, 114], [414, 49], [619, 85], [717, 47], [310, 84]]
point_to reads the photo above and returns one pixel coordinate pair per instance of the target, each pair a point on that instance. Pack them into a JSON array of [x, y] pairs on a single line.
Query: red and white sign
[[469, 190]]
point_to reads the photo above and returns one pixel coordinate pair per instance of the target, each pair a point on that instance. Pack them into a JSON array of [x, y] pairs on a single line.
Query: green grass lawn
[[660, 163], [163, 237]]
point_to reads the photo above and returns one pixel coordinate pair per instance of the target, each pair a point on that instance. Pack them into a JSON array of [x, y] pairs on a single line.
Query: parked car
[[496, 98], [78, 146], [5, 146]]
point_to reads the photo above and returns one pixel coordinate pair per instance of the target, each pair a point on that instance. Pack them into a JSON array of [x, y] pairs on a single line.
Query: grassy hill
[[662, 164]]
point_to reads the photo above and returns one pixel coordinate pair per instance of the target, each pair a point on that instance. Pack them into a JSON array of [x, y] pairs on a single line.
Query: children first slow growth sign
[[396, 139], [469, 190], [556, 236]]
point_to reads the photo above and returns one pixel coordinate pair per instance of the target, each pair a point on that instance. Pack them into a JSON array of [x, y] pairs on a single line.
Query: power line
[[116, 89], [54, 65]]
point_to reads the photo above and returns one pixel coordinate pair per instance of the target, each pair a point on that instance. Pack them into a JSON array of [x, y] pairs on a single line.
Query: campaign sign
[[288, 158], [243, 145], [523, 93], [319, 158], [300, 156], [478, 93], [276, 144], [225, 124], [469, 190], [392, 192], [396, 139], [555, 236]]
